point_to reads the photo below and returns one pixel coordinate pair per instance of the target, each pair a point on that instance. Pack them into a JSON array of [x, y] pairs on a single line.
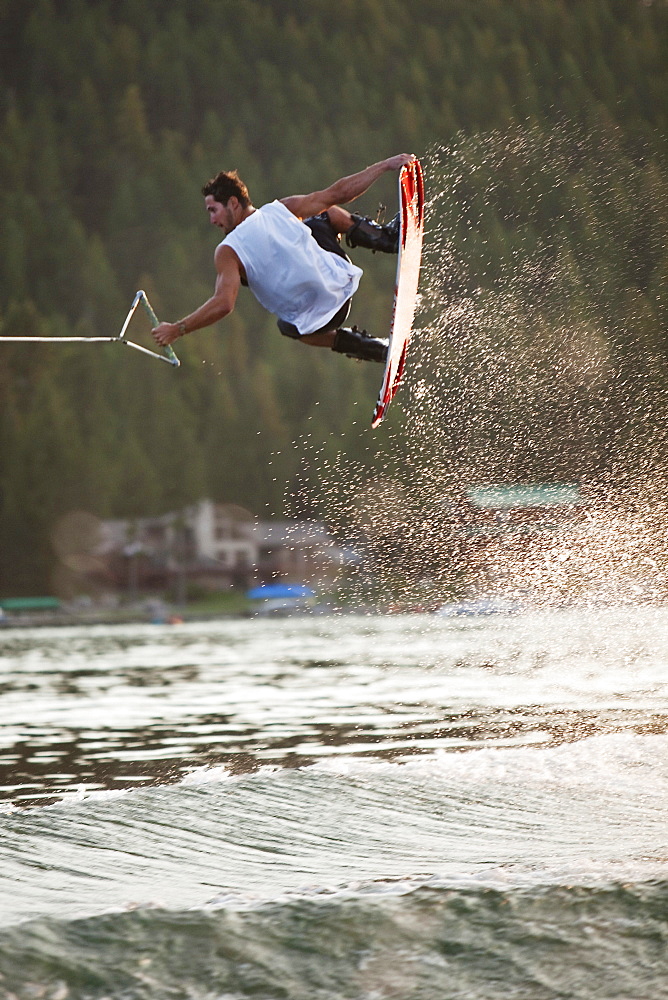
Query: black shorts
[[325, 234], [326, 237]]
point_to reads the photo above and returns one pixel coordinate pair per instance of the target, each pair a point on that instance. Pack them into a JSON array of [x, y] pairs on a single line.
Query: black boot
[[370, 235], [360, 344]]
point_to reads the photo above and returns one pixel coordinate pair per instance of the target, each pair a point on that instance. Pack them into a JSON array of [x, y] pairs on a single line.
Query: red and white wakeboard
[[411, 201]]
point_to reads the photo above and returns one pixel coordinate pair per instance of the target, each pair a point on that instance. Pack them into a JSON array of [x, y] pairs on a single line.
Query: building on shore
[[216, 547]]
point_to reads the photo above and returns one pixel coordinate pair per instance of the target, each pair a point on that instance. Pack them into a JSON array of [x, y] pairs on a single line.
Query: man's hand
[[399, 161], [166, 333]]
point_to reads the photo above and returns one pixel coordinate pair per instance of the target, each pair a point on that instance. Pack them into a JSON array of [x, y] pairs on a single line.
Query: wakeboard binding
[[356, 343], [371, 235]]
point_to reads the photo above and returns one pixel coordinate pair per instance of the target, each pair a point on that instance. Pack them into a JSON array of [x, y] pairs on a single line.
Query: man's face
[[221, 215]]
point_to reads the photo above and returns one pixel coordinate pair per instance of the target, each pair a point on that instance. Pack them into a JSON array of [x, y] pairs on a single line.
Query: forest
[[541, 354]]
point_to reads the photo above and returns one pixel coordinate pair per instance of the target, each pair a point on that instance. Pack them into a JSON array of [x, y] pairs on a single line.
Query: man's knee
[[339, 219], [325, 234], [288, 329]]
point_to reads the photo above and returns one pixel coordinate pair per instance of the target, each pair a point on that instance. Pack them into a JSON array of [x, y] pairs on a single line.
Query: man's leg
[[344, 340], [324, 337], [319, 339], [327, 229], [360, 231], [327, 233], [350, 341], [340, 219]]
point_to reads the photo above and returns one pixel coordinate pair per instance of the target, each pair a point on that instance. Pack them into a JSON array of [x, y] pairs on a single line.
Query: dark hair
[[225, 185]]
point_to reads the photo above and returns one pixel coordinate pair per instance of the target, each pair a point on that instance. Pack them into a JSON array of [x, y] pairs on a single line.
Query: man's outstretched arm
[[221, 303], [344, 190]]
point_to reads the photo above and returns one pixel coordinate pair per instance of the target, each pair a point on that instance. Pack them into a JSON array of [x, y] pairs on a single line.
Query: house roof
[[536, 495]]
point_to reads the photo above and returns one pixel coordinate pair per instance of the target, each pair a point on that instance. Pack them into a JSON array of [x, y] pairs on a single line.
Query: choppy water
[[399, 807]]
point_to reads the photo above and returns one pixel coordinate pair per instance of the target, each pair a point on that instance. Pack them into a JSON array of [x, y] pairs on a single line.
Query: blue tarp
[[273, 590]]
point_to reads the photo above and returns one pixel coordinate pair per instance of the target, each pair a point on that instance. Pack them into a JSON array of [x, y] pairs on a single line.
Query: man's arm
[[221, 303], [344, 190]]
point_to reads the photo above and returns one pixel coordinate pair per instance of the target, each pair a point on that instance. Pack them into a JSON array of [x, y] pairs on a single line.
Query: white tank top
[[287, 272]]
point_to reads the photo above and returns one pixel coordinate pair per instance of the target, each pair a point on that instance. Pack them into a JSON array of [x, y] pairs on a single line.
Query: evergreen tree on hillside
[[112, 114]]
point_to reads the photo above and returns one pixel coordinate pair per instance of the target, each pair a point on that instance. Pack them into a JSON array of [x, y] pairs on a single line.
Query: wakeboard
[[411, 203]]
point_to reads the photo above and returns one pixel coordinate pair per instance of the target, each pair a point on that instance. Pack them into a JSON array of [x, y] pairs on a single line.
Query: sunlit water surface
[[401, 806]]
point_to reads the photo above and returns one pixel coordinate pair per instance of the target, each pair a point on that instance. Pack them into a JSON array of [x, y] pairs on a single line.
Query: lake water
[[337, 807]]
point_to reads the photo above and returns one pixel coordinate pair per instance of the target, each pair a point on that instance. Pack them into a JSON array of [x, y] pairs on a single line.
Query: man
[[288, 253]]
